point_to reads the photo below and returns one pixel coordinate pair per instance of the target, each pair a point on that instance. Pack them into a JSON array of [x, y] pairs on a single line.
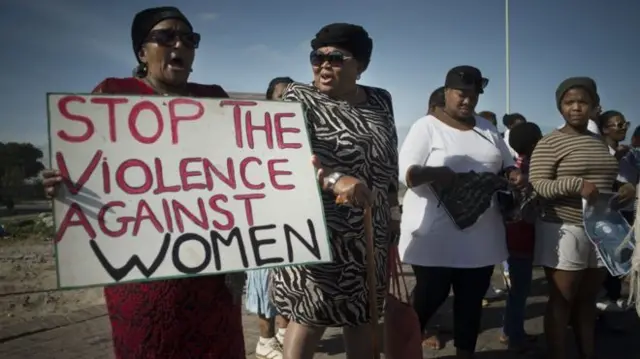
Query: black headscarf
[[146, 19], [352, 38]]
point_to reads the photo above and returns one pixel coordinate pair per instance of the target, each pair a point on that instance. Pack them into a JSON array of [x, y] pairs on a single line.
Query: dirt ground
[[28, 282]]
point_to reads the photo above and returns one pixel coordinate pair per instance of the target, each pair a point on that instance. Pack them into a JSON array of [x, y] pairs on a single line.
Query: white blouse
[[428, 236]]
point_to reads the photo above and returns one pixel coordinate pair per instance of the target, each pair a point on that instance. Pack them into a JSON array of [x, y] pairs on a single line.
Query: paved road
[[85, 334]]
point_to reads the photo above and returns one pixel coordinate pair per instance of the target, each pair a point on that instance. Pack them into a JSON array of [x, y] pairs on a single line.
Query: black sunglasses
[[169, 37], [470, 79], [334, 58]]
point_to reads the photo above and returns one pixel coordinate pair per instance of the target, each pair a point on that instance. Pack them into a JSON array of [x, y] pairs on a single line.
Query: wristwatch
[[332, 179]]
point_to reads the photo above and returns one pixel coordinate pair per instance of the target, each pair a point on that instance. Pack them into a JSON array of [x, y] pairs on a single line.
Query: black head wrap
[[586, 83], [146, 19], [352, 38]]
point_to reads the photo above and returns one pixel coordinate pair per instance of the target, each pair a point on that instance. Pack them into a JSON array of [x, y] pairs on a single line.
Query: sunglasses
[[334, 58], [620, 125], [470, 79], [169, 37]]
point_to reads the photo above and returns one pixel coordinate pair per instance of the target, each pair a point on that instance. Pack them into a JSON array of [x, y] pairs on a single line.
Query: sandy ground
[[28, 282]]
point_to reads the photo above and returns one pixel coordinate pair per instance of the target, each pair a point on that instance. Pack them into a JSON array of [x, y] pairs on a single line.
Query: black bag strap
[[488, 140]]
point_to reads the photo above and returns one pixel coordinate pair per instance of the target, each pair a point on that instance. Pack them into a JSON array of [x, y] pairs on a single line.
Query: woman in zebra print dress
[[353, 136]]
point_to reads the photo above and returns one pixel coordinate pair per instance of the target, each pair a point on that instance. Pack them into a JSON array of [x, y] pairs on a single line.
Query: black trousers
[[613, 287], [469, 287]]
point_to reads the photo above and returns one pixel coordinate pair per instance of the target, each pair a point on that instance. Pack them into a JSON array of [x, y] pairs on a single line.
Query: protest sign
[[609, 232], [161, 187]]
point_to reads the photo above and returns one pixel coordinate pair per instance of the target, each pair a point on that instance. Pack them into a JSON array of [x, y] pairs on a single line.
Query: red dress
[[173, 319]]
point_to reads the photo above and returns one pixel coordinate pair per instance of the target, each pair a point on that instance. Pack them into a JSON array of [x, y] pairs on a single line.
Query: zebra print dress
[[360, 141]]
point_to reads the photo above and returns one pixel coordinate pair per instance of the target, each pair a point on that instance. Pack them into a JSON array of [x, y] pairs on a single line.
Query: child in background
[[520, 242]]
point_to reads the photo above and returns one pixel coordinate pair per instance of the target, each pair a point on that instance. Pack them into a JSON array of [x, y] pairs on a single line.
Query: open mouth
[[177, 63], [326, 77]]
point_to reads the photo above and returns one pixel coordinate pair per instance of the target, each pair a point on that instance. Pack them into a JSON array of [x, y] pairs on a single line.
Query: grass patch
[[27, 228]]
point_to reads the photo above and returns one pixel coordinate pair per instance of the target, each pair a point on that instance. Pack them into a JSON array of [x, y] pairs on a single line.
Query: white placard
[[166, 187]]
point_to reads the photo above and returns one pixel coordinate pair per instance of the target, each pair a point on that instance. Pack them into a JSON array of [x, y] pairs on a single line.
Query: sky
[[72, 45]]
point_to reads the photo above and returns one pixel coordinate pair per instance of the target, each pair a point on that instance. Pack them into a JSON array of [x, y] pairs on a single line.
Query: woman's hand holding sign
[[51, 180], [348, 189]]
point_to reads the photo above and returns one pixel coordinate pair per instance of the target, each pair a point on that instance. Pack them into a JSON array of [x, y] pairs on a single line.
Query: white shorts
[[565, 247]]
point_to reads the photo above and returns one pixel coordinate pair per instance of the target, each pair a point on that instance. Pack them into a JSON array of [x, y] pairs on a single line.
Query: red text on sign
[[193, 108], [206, 213], [196, 173], [272, 126]]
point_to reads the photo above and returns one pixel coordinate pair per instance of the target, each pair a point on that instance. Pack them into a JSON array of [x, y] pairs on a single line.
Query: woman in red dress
[[174, 319]]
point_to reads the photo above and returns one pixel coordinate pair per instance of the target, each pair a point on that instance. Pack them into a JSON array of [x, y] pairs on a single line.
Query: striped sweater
[[559, 164]]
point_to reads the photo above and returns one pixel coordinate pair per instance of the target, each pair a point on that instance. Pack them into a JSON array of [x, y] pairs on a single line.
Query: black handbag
[[469, 196]]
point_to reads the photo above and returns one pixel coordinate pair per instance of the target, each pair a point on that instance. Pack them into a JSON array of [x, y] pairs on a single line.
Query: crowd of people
[[476, 198]]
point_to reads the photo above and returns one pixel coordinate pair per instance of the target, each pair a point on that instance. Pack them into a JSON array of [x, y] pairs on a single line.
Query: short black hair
[[275, 82], [606, 116], [523, 138], [510, 118], [485, 114], [636, 132], [437, 98]]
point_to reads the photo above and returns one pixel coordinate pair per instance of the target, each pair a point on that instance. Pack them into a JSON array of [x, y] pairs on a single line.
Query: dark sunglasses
[[470, 79], [169, 37], [334, 58], [619, 125]]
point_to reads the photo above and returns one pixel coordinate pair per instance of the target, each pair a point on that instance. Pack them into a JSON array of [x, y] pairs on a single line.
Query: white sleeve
[[512, 152], [505, 139], [416, 147], [593, 127], [508, 154]]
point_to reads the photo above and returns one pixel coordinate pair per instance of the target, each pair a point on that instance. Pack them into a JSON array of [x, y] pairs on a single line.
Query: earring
[[140, 70]]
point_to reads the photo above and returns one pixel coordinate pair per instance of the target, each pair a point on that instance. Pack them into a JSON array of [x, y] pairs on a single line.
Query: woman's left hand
[[348, 189], [517, 179]]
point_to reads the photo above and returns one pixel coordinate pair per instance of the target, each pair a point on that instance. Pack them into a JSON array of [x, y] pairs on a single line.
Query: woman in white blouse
[[439, 149]]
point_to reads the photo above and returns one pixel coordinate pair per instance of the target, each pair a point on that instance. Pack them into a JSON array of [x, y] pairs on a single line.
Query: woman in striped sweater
[[569, 165]]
